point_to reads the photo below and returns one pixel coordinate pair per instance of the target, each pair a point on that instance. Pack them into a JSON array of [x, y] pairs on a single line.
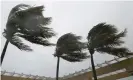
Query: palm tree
[[70, 48], [29, 23], [104, 38]]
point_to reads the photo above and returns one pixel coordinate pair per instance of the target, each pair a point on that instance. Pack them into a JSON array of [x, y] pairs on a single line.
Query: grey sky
[[71, 16]]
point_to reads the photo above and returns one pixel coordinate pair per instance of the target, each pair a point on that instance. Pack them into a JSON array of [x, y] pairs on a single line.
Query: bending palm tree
[[70, 48], [104, 38], [27, 22]]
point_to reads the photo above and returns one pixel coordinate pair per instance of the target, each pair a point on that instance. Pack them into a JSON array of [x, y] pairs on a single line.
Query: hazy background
[[67, 16]]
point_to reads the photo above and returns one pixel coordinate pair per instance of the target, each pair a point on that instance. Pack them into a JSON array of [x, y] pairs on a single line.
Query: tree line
[[28, 22]]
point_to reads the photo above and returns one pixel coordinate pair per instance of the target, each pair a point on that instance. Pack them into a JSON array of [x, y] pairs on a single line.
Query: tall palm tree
[[29, 23], [70, 48], [104, 38]]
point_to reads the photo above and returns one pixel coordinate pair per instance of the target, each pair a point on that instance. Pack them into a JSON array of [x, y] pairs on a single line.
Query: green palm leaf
[[70, 45], [17, 42], [120, 52], [36, 40], [111, 40], [29, 23], [105, 38], [101, 29], [71, 59]]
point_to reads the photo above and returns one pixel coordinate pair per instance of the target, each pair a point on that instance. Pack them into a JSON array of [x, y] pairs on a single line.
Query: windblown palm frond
[[111, 40], [74, 56], [30, 23], [101, 29], [120, 52], [70, 45], [37, 40], [17, 42], [16, 9], [105, 38], [71, 59]]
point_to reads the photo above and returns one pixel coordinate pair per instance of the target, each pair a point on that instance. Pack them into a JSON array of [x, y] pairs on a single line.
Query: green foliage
[[105, 38], [29, 23], [70, 48], [120, 52]]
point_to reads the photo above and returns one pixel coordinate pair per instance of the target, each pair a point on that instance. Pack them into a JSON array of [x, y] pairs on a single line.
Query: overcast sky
[[70, 16]]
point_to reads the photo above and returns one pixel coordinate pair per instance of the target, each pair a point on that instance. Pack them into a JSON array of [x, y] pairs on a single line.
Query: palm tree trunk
[[57, 70], [4, 51], [93, 68]]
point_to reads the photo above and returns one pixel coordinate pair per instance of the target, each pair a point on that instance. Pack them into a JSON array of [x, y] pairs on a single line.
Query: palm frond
[[32, 18], [47, 32], [70, 42], [71, 59], [79, 55], [106, 35], [114, 40], [18, 43], [121, 34], [101, 29], [37, 40], [70, 45], [120, 52], [13, 39], [109, 40], [29, 21], [17, 8], [41, 32], [68, 38], [105, 38]]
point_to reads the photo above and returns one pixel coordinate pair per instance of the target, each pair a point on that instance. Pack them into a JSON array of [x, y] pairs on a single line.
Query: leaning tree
[[104, 38], [27, 22], [70, 48]]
